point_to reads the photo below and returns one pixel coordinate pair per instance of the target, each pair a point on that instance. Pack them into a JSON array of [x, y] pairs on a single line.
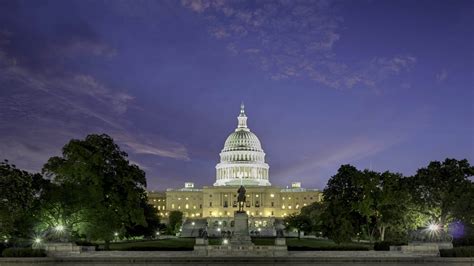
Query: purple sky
[[381, 84]]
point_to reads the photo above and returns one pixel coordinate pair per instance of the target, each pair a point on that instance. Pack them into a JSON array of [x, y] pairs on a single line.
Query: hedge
[[385, 245], [329, 248], [467, 251], [23, 252]]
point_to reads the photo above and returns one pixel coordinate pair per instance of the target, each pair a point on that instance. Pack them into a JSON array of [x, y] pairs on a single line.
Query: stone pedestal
[[423, 247], [280, 241], [241, 230]]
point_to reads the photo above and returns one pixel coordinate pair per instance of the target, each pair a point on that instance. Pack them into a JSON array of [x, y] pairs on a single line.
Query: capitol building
[[242, 162]]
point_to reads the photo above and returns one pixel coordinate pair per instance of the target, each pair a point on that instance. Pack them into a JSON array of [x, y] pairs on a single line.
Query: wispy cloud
[[442, 76], [293, 39], [42, 108]]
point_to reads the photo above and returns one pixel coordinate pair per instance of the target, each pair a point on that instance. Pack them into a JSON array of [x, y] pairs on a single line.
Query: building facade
[[242, 162]]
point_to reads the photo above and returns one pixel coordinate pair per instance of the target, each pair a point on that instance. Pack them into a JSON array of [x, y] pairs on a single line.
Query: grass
[[23, 252], [174, 244], [188, 244], [322, 244]]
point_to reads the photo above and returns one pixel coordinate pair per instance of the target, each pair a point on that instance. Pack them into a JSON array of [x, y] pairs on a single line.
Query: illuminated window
[[172, 206], [186, 206], [283, 206], [272, 195]]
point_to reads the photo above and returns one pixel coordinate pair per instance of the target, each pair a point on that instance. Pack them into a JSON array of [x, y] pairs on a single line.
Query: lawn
[[162, 244], [188, 244], [313, 244]]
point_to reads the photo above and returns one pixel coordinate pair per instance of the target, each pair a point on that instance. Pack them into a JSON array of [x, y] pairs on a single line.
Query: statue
[[241, 198]]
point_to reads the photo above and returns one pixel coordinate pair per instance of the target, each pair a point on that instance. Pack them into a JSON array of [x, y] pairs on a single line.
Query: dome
[[242, 140], [242, 158]]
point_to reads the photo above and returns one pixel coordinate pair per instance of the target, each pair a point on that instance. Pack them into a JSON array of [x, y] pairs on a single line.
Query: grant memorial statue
[[241, 198]]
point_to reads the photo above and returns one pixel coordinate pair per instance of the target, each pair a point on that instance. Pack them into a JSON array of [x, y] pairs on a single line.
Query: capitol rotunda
[[242, 160]]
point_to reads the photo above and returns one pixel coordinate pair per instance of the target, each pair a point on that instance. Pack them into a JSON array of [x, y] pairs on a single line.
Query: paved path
[[294, 254]]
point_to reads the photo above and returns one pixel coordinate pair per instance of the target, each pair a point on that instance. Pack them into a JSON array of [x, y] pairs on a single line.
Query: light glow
[[434, 227], [59, 228]]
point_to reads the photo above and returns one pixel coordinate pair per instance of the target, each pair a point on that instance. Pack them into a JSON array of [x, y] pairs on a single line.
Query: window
[[186, 206], [225, 204], [234, 204], [257, 204], [248, 204], [273, 204], [272, 213], [210, 203], [200, 206]]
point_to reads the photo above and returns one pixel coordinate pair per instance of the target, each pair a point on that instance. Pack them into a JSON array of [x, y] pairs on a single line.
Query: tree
[[392, 205], [175, 221], [314, 212], [152, 223], [300, 222], [111, 189], [364, 202], [340, 221], [19, 192], [439, 188]]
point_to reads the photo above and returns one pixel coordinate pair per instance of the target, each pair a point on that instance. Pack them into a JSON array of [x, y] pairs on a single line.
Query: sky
[[382, 85]]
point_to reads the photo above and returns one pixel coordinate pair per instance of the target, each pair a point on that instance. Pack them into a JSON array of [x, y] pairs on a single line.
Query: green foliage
[[19, 192], [173, 244], [23, 252], [467, 251], [313, 212], [109, 191], [385, 245], [340, 219], [152, 223], [365, 204], [175, 221], [300, 222], [443, 190]]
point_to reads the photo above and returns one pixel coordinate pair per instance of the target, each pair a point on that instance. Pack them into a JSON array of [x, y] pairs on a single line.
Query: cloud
[[152, 145], [442, 76], [44, 103], [293, 39]]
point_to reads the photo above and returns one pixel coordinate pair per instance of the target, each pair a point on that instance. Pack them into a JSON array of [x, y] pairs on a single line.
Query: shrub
[[86, 243], [23, 252], [464, 241], [385, 245], [329, 248], [151, 248], [3, 246], [467, 251]]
